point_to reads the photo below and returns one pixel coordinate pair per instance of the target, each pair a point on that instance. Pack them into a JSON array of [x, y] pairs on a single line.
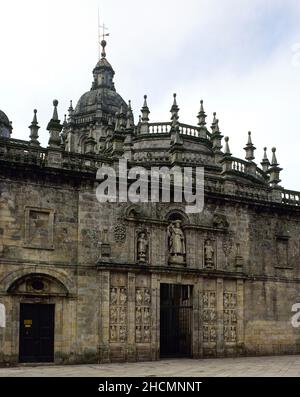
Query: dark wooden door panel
[[36, 333]]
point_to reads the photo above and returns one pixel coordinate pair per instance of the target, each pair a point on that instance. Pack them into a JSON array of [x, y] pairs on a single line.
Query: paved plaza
[[274, 366]]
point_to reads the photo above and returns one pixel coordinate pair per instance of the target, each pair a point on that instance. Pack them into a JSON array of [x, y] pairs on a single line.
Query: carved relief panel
[[230, 316], [209, 304], [142, 315], [118, 314], [39, 224]]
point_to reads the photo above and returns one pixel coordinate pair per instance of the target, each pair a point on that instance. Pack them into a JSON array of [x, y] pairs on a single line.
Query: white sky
[[242, 57]]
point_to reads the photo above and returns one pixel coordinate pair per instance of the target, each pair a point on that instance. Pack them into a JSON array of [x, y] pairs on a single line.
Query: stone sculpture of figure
[[113, 296], [138, 315], [138, 334], [142, 247], [147, 334], [113, 315], [176, 242], [122, 315], [139, 297], [113, 333], [146, 315], [209, 254], [122, 334], [123, 296], [147, 298]]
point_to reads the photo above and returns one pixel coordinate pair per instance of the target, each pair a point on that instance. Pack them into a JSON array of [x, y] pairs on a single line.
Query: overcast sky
[[242, 57]]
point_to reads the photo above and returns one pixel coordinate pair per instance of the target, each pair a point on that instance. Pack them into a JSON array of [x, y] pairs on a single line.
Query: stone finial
[[122, 118], [274, 159], [174, 110], [54, 127], [201, 115], [227, 150], [34, 128], [130, 119], [214, 122], [249, 148], [55, 114], [144, 127], [265, 161], [274, 170], [216, 137], [145, 111]]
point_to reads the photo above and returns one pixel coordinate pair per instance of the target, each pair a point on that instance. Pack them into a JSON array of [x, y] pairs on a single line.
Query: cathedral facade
[[88, 282]]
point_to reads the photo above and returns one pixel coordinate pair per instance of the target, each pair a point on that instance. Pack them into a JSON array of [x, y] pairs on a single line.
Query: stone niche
[[39, 225]]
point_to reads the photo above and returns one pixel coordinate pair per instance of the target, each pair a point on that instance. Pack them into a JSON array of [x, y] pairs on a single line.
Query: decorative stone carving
[[220, 221], [39, 224], [230, 316], [1, 247], [120, 233], [118, 314], [143, 315], [176, 243], [209, 316], [209, 254], [239, 261], [113, 333], [105, 246], [138, 334], [142, 247]]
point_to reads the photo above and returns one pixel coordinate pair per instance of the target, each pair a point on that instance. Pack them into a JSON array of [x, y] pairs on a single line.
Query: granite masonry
[[90, 282]]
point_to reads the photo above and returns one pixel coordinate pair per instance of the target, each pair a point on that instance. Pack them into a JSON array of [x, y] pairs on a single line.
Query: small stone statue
[[123, 296], [138, 334], [122, 315], [123, 334], [147, 334], [138, 315], [113, 315], [176, 242], [209, 254], [147, 298], [113, 333], [142, 247], [113, 296], [146, 315], [139, 297]]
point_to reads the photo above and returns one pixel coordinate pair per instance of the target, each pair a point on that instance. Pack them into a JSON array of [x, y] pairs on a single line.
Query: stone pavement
[[275, 366]]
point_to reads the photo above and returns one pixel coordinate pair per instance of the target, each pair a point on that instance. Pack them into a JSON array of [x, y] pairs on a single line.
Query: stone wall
[[107, 302]]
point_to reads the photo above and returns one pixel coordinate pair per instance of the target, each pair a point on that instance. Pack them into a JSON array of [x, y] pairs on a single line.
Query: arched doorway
[[36, 297]]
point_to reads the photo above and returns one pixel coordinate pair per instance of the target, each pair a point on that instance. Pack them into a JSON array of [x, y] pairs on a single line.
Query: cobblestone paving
[[246, 366]]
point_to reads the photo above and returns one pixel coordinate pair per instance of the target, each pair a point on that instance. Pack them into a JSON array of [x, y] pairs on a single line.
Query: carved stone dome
[[102, 101], [5, 125]]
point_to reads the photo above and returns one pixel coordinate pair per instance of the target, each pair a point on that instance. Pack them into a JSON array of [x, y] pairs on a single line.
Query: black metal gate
[[175, 320]]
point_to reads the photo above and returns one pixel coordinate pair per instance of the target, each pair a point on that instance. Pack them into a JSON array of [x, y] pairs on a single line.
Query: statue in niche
[[113, 333], [142, 247], [138, 334], [146, 315], [147, 298], [122, 334], [138, 315], [122, 315], [113, 296], [113, 315], [176, 242], [147, 334], [123, 296], [209, 254], [139, 297]]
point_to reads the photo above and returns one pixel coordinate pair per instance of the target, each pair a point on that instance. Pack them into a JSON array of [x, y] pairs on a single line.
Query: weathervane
[[101, 37]]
